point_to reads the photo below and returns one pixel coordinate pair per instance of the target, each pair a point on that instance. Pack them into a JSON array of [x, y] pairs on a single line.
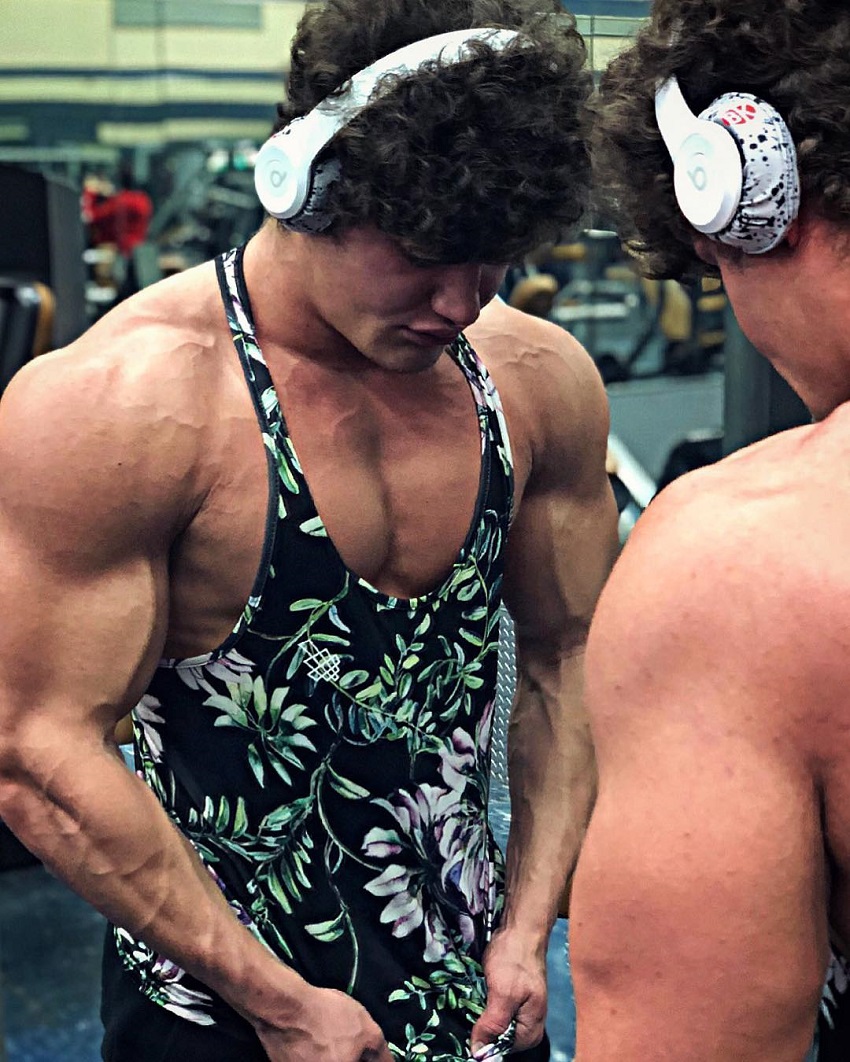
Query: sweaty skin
[[132, 508]]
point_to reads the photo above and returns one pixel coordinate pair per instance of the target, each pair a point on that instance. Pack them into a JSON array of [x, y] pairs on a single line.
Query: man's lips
[[434, 336]]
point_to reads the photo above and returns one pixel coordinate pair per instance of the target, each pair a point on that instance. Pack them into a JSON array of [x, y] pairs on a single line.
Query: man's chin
[[409, 358]]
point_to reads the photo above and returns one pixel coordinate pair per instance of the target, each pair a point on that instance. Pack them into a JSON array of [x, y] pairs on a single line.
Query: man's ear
[[794, 233], [706, 249]]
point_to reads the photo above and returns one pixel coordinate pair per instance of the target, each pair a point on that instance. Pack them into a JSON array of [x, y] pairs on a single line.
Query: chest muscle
[[395, 485]]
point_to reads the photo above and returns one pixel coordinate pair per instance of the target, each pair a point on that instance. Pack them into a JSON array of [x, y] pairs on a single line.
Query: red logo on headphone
[[740, 114]]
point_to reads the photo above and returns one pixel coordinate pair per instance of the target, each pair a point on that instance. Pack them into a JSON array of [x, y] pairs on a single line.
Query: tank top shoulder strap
[[491, 412], [237, 306]]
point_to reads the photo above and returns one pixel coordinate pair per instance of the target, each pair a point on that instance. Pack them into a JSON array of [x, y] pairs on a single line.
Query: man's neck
[[285, 314]]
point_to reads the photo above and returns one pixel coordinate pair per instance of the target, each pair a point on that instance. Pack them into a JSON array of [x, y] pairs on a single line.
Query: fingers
[[377, 1050], [500, 1029], [504, 1002], [497, 1048], [516, 992], [380, 1053], [494, 1029], [531, 1025]]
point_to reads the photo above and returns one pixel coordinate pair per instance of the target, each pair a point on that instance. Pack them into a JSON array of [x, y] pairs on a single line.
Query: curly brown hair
[[478, 161], [795, 54]]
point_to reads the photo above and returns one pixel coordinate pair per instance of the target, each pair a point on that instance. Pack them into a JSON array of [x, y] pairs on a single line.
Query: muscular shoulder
[[552, 391], [539, 359], [164, 337], [772, 510], [115, 419], [151, 343], [737, 576]]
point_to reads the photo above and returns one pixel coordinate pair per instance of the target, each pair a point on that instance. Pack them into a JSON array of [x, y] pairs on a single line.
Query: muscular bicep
[[564, 538], [699, 905], [80, 645], [560, 552], [698, 925]]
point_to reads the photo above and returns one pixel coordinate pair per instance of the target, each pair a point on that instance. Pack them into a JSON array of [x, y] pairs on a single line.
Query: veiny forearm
[[99, 829], [552, 783]]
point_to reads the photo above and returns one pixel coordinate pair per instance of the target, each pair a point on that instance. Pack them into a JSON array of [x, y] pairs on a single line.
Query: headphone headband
[[707, 174], [287, 179]]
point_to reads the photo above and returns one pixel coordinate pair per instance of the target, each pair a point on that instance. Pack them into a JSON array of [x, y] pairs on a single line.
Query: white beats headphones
[[734, 167], [290, 185]]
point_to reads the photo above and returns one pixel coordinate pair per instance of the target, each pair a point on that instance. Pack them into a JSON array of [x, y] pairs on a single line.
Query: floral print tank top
[[330, 761]]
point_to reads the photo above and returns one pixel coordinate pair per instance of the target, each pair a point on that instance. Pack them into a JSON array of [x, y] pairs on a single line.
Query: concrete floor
[[50, 943]]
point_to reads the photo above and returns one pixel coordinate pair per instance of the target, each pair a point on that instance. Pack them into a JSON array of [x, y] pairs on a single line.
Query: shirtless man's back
[[718, 732], [715, 866]]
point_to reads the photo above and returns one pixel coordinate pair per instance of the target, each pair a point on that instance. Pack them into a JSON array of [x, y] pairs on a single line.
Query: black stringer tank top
[[330, 761]]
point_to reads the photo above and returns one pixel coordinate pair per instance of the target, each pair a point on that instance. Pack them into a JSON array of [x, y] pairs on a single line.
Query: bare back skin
[[718, 678], [132, 518]]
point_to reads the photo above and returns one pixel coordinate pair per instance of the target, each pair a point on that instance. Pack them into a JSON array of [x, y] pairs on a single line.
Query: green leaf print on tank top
[[330, 761]]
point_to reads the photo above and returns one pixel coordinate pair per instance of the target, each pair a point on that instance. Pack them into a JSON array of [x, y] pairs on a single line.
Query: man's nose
[[457, 296]]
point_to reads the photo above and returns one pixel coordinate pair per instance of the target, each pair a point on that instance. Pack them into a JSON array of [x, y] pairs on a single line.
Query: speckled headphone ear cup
[[770, 192], [315, 217]]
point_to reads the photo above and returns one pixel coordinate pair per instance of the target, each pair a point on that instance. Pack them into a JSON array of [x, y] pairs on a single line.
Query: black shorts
[[834, 1015], [137, 1030], [834, 1036]]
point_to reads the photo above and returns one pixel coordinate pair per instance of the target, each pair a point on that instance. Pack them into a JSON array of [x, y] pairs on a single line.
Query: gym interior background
[[128, 130]]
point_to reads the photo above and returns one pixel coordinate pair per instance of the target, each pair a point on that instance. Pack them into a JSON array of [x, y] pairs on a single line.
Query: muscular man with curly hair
[[711, 900], [273, 505]]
